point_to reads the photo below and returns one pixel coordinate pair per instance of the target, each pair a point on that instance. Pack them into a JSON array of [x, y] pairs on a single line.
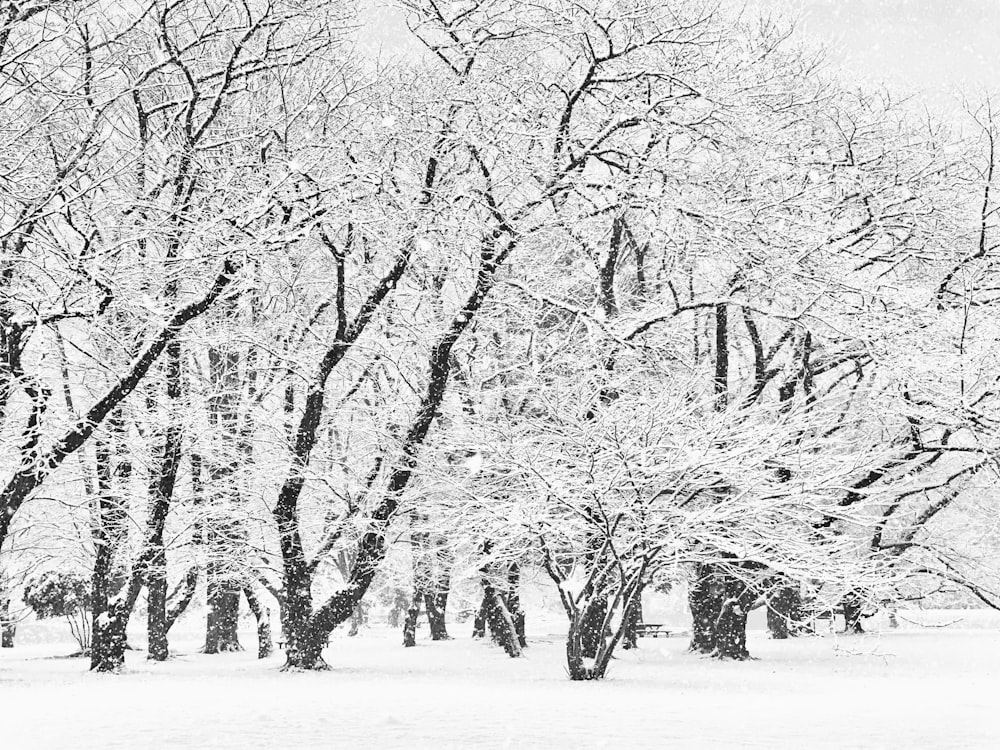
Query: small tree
[[56, 594]]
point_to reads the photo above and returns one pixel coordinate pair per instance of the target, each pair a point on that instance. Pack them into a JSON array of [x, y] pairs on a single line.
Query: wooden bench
[[827, 614], [651, 630]]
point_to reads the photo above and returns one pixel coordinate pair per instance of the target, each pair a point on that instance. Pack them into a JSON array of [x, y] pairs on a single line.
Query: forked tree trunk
[[580, 666]]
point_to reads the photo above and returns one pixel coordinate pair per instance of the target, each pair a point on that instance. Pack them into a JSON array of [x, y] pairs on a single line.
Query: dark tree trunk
[[410, 624], [221, 634], [705, 600], [224, 530], [499, 621], [156, 600], [853, 611], [633, 616], [479, 622], [265, 646], [161, 491], [304, 651], [182, 596], [110, 606], [720, 603], [784, 612], [731, 626], [7, 626], [431, 581], [304, 640], [514, 602], [436, 604], [592, 633]]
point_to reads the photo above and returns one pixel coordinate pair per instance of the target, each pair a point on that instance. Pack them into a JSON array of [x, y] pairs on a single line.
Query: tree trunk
[[592, 626], [705, 601], [436, 604], [304, 651], [112, 599], [222, 624], [731, 625], [400, 604], [514, 602], [265, 646], [479, 622], [632, 617], [156, 601], [410, 624], [7, 626], [182, 596], [784, 612], [500, 622], [852, 613]]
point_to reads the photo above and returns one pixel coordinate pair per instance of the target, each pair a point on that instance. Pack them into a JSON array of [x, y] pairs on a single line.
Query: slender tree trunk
[[410, 623], [163, 481], [514, 602], [225, 531], [110, 605], [633, 616], [265, 646], [156, 601], [8, 627], [182, 596], [479, 622]]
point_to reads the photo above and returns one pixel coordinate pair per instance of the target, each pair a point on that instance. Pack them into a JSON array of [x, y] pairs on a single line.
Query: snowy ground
[[908, 688]]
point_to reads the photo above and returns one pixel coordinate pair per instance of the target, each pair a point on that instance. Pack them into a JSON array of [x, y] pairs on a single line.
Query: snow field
[[910, 688]]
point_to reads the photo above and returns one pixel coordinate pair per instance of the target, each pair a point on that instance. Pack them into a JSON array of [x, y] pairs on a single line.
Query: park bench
[[825, 614], [651, 630]]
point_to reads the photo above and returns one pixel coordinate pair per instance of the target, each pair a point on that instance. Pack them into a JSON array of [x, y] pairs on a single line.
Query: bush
[[62, 594]]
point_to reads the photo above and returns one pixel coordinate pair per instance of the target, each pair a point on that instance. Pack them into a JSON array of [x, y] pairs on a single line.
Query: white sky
[[936, 46]]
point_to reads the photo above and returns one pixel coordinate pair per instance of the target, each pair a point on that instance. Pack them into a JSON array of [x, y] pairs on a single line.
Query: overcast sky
[[933, 45]]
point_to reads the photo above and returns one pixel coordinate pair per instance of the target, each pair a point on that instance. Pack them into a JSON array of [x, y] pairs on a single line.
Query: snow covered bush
[[62, 594]]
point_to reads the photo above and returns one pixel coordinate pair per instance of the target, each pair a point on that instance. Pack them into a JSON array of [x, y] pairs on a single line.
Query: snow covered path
[[908, 689]]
